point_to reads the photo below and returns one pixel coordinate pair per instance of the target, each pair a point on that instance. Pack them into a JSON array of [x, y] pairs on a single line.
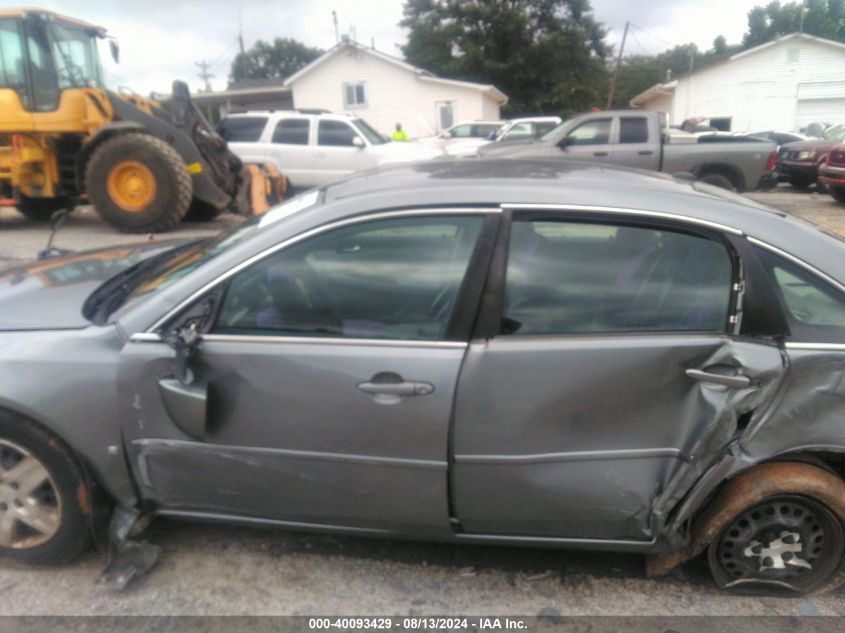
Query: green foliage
[[823, 18], [278, 60], [546, 55]]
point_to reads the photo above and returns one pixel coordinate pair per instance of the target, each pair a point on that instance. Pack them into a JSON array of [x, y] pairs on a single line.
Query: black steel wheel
[[791, 541]]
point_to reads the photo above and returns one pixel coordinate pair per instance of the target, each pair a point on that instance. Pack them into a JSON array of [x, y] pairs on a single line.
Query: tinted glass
[[336, 133], [292, 132], [12, 71], [633, 130], [45, 80], [595, 132], [544, 128], [570, 278], [814, 309], [392, 279], [245, 129]]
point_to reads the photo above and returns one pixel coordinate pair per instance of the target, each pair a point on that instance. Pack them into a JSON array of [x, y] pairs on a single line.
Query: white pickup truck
[[315, 148]]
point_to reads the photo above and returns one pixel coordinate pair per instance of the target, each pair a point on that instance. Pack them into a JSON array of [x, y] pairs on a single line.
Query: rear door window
[[573, 278], [245, 129], [292, 132], [633, 130]]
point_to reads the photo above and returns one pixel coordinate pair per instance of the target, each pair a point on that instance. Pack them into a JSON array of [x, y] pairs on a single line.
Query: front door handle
[[645, 152], [738, 381], [599, 153]]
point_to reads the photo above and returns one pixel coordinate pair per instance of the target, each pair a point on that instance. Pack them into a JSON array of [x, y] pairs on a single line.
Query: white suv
[[313, 148]]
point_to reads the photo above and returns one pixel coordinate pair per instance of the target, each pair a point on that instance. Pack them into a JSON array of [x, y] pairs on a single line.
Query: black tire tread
[[95, 176]]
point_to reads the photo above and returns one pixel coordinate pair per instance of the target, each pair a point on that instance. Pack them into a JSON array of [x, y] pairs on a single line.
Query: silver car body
[[592, 440]]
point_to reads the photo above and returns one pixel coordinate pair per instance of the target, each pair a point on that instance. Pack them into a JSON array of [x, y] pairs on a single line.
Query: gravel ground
[[213, 570]]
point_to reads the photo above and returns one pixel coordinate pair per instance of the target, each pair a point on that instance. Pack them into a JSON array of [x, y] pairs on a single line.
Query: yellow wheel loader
[[65, 138]]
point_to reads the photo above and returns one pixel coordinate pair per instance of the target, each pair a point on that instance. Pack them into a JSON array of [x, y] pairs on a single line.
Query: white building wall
[[394, 94], [762, 90]]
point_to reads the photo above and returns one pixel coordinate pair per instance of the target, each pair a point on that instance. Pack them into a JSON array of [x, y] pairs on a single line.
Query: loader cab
[[42, 54]]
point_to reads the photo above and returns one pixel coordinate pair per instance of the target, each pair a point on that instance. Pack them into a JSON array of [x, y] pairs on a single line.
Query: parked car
[[505, 352], [635, 138], [832, 173], [314, 148], [799, 162], [779, 138], [466, 132], [521, 129]]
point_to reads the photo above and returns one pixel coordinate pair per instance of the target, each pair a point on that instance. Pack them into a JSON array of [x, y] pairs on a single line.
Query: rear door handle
[[397, 388], [645, 152], [737, 382], [599, 153]]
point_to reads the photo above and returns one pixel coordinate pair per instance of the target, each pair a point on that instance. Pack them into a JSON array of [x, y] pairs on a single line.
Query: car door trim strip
[[148, 444], [832, 347], [539, 458], [798, 261], [153, 337], [357, 219], [624, 211], [251, 520]]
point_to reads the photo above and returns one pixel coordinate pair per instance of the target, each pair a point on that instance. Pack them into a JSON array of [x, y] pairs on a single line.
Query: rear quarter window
[[242, 129]]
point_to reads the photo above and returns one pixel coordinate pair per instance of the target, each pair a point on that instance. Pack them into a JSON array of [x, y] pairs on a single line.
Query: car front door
[[322, 392], [604, 371], [591, 140], [337, 154]]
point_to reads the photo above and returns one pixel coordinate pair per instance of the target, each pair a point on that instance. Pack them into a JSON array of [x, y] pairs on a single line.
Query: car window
[[245, 129], [520, 130], [544, 127], [572, 277], [335, 133], [483, 130], [595, 132], [391, 279], [292, 132], [633, 130], [815, 310], [461, 131]]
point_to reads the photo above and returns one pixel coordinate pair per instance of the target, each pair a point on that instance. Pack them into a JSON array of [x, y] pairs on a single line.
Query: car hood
[[814, 144], [49, 294], [400, 152]]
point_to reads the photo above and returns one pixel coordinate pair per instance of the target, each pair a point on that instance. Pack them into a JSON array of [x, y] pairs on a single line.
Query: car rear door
[[322, 392], [289, 144], [636, 145], [605, 370]]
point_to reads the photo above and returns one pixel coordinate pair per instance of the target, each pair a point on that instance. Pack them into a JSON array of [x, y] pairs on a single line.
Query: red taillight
[[773, 160]]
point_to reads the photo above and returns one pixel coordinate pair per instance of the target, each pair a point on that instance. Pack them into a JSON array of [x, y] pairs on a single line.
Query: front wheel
[[44, 501], [717, 180], [138, 183]]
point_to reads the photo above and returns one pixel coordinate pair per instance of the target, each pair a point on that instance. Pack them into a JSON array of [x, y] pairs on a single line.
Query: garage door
[[819, 110]]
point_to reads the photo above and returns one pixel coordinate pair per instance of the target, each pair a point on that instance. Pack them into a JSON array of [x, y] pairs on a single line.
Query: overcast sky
[[163, 39]]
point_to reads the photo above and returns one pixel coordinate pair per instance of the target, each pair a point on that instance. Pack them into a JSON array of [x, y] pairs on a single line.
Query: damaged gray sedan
[[492, 352]]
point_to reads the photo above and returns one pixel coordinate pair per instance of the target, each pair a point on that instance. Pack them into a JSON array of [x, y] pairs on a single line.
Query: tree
[[823, 18], [546, 55], [278, 60]]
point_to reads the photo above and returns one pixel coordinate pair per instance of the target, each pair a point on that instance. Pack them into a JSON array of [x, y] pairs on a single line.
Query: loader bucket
[[267, 187]]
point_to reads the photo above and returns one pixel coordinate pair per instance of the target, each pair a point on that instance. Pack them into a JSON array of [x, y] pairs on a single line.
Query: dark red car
[[799, 162], [832, 172]]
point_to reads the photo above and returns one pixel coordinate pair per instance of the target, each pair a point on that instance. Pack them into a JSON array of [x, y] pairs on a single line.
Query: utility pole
[[244, 65], [616, 70], [336, 28], [204, 74]]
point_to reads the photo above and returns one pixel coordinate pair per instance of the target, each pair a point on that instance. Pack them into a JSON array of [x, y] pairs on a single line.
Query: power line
[[654, 36]]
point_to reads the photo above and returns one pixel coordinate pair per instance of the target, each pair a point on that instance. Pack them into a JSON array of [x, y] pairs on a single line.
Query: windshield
[[164, 269], [372, 136], [835, 133]]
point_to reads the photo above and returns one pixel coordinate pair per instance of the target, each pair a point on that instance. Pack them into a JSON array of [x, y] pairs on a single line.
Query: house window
[[354, 95], [445, 114], [793, 55]]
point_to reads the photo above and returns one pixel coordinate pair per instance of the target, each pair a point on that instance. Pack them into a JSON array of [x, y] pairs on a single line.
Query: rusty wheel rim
[[131, 185], [30, 503], [791, 540]]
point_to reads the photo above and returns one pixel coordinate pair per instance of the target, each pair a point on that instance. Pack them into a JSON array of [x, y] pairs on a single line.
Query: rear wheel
[[44, 500], [838, 193], [139, 183], [40, 209], [717, 180]]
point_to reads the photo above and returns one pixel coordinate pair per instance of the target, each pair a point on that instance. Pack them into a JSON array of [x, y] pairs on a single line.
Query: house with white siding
[[384, 90], [782, 85]]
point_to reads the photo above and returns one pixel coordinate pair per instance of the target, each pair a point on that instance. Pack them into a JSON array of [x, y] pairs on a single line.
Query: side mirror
[[114, 48], [357, 142], [564, 143]]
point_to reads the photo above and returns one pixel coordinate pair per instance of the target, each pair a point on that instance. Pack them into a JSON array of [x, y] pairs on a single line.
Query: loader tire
[[138, 183], [40, 209], [200, 211]]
